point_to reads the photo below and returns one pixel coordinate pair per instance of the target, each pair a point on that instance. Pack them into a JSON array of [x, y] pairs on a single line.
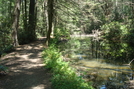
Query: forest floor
[[26, 68]]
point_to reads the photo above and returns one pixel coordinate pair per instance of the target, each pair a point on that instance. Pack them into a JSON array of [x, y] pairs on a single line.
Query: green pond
[[86, 57]]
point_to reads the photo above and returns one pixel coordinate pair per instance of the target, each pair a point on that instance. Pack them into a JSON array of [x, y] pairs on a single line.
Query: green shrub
[[113, 40], [59, 32], [69, 82], [64, 76], [22, 37], [3, 69], [129, 38], [114, 32], [52, 57]]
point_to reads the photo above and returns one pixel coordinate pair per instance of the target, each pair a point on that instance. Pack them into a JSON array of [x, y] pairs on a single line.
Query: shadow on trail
[[26, 69], [26, 79]]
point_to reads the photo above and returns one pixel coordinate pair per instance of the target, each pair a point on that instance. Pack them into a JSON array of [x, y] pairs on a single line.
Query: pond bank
[[102, 72]]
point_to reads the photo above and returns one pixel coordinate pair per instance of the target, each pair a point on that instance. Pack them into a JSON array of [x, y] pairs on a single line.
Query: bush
[[22, 37], [69, 82], [51, 57], [114, 32], [64, 76], [61, 33], [3, 70], [129, 38], [113, 41]]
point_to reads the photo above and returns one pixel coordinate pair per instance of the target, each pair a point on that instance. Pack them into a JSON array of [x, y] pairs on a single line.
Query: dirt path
[[26, 69]]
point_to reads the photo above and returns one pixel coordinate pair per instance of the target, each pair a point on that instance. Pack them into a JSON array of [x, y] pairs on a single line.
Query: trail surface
[[26, 68]]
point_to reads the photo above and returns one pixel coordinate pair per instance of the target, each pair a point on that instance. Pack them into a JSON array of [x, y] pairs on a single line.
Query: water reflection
[[103, 87], [103, 73]]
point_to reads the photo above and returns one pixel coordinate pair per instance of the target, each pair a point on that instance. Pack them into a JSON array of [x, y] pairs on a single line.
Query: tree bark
[[46, 15], [32, 22], [16, 15], [50, 19], [25, 17]]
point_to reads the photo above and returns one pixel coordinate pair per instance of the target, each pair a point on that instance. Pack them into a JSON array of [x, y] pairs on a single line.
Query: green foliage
[[22, 36], [5, 35], [52, 57], [61, 32], [130, 38], [69, 82], [74, 44], [113, 32], [113, 40], [3, 69], [64, 76]]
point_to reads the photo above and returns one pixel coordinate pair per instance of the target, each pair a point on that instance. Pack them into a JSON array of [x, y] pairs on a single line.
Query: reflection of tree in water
[[117, 81], [120, 80], [87, 48]]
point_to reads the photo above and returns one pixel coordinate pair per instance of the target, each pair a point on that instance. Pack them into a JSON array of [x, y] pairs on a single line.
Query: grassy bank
[[64, 77]]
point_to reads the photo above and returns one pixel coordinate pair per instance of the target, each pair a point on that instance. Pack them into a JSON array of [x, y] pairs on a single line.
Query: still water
[[103, 74]]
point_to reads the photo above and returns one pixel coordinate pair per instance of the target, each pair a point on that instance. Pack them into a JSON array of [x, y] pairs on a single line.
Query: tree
[[24, 10], [31, 35], [46, 14], [15, 24], [50, 12]]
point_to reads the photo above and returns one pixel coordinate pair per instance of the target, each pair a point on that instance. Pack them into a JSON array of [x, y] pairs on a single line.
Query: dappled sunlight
[[25, 68], [33, 78], [97, 64], [102, 73], [104, 69], [41, 86]]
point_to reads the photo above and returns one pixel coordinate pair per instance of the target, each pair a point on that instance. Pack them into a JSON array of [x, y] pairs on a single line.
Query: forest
[[88, 44]]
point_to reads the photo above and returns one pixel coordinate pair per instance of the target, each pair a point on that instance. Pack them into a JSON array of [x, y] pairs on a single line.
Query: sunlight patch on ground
[[41, 86], [24, 56], [26, 68], [34, 60]]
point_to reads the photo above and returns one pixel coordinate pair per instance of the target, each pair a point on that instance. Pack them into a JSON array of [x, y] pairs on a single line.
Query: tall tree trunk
[[32, 22], [25, 17], [46, 15], [16, 15], [50, 19]]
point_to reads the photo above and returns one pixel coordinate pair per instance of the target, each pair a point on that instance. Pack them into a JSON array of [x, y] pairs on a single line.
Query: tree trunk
[[50, 19], [16, 15], [46, 15], [25, 17], [32, 22]]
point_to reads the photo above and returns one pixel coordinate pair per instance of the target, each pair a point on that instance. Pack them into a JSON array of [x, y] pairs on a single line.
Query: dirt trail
[[26, 69]]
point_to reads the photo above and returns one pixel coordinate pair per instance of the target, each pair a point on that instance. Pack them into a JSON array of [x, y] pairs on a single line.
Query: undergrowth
[[3, 70], [64, 76]]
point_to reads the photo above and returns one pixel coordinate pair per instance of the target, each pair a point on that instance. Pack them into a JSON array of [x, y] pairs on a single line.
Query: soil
[[26, 68]]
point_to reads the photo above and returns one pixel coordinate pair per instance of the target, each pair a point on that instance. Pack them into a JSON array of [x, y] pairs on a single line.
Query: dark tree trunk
[[25, 17], [32, 22], [16, 15], [50, 19]]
